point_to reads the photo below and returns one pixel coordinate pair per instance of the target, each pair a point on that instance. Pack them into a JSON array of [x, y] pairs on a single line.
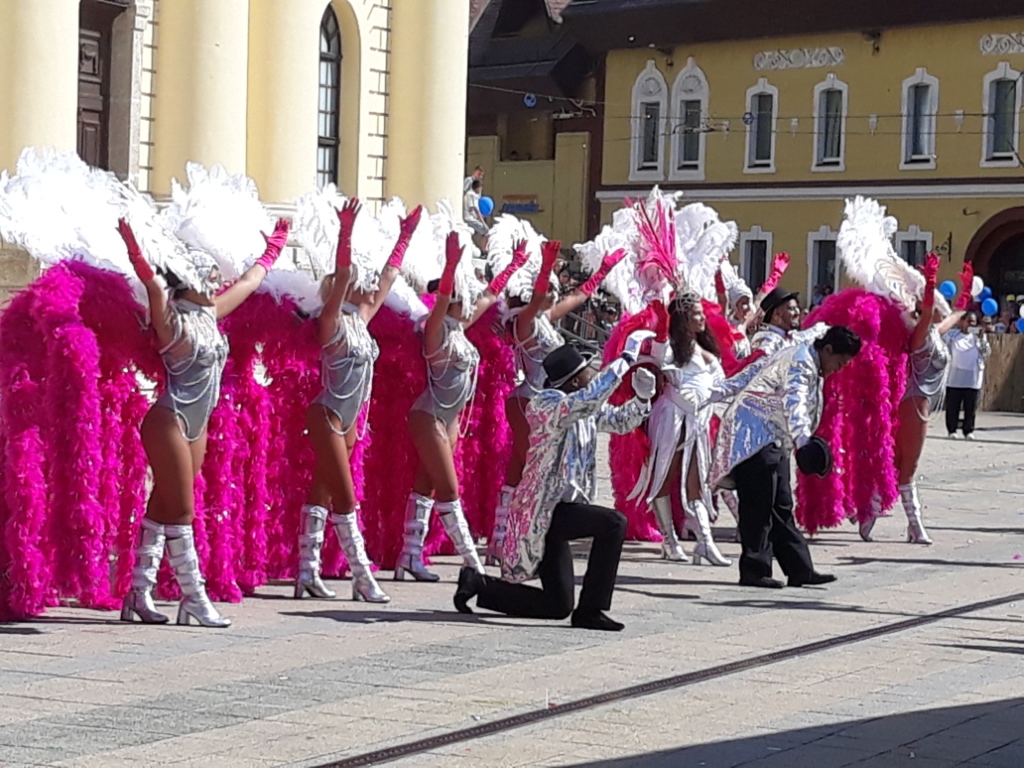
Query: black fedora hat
[[775, 299], [562, 364]]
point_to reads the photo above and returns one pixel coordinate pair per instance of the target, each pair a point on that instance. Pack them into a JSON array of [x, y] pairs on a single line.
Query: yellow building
[[294, 93], [775, 119]]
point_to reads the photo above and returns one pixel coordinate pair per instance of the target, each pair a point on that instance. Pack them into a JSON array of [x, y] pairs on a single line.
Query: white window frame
[[825, 233], [756, 233], [908, 162], [828, 84], [1003, 72], [763, 87], [913, 232], [650, 86], [691, 84]]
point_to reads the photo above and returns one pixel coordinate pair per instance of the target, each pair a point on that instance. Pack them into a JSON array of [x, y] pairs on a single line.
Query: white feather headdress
[[865, 248], [736, 287], [622, 281], [703, 241], [501, 243]]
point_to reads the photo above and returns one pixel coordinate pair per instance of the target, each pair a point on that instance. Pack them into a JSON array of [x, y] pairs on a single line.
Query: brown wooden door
[[95, 21]]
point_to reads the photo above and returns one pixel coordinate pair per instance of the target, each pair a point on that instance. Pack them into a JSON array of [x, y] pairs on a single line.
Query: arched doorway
[[997, 252]]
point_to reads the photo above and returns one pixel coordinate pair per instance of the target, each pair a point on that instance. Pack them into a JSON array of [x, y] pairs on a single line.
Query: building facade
[[294, 93], [920, 110]]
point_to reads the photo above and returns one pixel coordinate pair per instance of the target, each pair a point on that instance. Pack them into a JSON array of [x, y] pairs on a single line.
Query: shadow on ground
[[989, 734]]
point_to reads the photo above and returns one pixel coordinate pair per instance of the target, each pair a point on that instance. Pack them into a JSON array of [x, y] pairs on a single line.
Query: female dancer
[[531, 328], [679, 432], [347, 355], [174, 430], [926, 376], [451, 361]]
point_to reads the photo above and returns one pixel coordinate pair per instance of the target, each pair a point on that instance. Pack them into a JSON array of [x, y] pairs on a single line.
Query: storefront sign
[[520, 204]]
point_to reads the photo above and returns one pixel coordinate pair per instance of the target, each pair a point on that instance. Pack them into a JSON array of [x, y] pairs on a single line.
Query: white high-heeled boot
[[311, 542], [671, 549], [705, 548], [364, 586], [148, 554], [496, 542], [916, 533], [181, 551], [457, 528], [417, 520]]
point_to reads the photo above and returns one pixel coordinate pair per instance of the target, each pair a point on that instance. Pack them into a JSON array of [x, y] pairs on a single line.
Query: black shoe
[[812, 579], [470, 584], [592, 618], [765, 582]]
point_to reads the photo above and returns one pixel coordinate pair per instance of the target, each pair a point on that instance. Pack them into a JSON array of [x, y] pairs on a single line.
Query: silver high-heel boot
[[364, 586], [148, 554], [457, 528], [705, 549], [916, 533], [311, 542], [181, 551], [671, 549], [417, 518], [497, 540]]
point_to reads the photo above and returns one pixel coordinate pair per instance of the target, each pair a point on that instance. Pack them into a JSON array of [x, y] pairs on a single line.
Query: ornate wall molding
[[1002, 44], [799, 58]]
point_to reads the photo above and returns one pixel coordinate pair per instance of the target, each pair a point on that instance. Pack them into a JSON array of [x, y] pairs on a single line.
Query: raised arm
[[924, 322], [372, 304], [780, 263], [156, 292], [497, 285], [232, 298], [579, 297], [525, 319], [433, 328], [340, 288]]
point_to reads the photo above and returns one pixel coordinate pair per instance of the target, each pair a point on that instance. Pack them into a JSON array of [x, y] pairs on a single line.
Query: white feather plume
[[703, 241]]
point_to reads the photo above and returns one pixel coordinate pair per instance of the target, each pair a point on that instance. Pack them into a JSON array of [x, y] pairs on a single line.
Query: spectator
[[1004, 322], [477, 175], [968, 349], [471, 210], [816, 297], [988, 324]]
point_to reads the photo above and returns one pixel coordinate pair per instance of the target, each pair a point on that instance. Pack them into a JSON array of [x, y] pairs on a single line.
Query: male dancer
[[775, 409], [553, 503], [781, 317]]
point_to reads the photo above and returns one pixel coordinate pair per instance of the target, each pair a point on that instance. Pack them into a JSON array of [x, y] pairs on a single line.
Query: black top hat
[[815, 458], [773, 300], [562, 364]]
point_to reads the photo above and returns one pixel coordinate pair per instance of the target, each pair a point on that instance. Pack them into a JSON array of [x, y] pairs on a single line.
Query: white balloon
[[977, 287], [1022, 310]]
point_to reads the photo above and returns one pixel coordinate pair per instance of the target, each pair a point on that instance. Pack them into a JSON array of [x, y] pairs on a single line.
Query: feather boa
[[859, 420]]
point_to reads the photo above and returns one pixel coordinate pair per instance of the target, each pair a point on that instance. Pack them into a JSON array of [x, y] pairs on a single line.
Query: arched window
[[330, 99], [762, 110], [690, 110], [920, 107], [830, 108], [650, 99], [1002, 103]]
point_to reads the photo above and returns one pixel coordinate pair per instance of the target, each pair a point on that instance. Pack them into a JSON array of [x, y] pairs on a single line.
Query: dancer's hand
[[346, 223], [644, 383], [453, 254], [275, 243], [607, 264], [548, 256], [405, 230], [138, 261]]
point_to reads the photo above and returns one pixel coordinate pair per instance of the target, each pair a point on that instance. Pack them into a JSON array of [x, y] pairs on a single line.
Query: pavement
[[913, 658]]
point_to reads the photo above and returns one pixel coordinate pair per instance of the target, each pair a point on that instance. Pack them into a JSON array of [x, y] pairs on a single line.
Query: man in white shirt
[[968, 349]]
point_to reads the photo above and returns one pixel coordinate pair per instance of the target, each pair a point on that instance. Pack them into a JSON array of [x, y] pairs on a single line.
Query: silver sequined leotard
[[926, 371], [194, 361], [451, 375], [346, 363], [530, 353]]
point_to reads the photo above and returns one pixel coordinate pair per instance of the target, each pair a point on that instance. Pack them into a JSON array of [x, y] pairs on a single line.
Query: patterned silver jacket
[[778, 402], [561, 461]]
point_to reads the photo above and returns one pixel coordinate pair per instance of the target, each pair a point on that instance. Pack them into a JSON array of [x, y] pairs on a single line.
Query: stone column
[[201, 87], [284, 62], [427, 100], [38, 76]]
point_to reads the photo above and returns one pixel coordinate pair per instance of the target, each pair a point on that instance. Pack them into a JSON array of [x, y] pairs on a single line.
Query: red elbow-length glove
[[408, 226], [275, 244], [607, 264], [452, 256], [519, 257], [549, 255], [347, 215], [138, 261], [931, 274], [963, 301]]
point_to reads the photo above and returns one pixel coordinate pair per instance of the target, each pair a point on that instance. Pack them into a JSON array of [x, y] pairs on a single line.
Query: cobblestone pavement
[[308, 683]]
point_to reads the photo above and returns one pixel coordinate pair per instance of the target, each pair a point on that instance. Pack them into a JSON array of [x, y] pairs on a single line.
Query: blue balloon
[[986, 293], [948, 289], [1020, 325], [486, 206], [990, 307]]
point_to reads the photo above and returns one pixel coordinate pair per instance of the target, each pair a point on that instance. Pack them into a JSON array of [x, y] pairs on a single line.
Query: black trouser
[[554, 600], [957, 397], [766, 517]]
